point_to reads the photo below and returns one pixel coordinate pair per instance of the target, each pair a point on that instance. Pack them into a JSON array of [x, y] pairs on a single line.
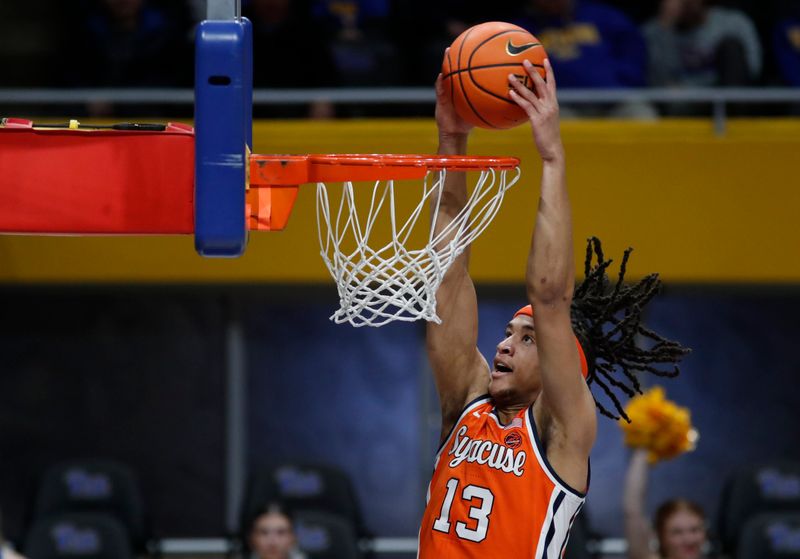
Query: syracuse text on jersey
[[489, 453]]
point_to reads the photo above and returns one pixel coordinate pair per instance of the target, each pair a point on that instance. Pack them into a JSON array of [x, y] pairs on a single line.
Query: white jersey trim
[[561, 512]]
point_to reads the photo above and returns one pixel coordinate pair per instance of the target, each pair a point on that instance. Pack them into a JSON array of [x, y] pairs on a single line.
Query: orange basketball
[[475, 72]]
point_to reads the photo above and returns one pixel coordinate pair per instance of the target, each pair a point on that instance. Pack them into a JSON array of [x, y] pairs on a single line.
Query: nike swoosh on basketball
[[514, 50]]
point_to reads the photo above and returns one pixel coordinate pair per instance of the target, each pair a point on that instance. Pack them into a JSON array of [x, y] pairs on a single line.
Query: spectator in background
[[351, 19], [272, 536], [5, 550], [423, 30], [786, 43], [693, 45], [290, 51], [637, 10], [362, 55], [590, 45], [126, 43], [680, 525]]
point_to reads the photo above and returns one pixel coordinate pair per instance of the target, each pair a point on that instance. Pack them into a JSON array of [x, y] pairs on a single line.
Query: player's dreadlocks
[[607, 320]]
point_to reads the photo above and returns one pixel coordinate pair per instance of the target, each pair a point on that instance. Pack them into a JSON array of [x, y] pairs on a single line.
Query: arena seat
[[770, 536], [98, 486], [78, 536], [769, 488], [325, 536], [303, 487]]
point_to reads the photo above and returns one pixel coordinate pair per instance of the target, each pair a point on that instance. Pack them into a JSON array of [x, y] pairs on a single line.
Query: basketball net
[[378, 285]]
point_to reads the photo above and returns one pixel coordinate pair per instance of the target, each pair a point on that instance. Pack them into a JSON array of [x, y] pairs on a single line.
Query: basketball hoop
[[382, 280]]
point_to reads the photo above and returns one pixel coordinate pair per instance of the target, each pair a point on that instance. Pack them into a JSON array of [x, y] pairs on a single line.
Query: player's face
[[515, 369], [272, 536], [683, 535]]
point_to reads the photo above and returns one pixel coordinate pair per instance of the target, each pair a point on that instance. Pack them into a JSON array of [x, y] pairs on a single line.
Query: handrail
[[718, 98], [378, 546], [388, 95]]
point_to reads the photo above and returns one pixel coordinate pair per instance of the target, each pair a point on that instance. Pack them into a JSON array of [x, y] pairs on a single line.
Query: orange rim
[[274, 179], [276, 170], [452, 162]]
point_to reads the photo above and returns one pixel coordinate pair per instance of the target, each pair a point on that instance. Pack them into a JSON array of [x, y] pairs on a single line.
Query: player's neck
[[508, 412], [508, 404]]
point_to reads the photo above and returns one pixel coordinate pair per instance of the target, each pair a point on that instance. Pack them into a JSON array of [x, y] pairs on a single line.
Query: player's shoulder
[[474, 403], [451, 421]]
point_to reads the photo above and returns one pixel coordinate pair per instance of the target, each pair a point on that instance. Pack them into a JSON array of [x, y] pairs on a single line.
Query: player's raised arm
[[550, 277], [460, 372]]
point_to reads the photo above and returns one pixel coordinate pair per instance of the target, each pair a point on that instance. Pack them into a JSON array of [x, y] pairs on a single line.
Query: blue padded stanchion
[[223, 128], [248, 81]]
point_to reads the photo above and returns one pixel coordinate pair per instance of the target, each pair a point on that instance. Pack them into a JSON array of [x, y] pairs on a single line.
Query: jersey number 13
[[479, 513]]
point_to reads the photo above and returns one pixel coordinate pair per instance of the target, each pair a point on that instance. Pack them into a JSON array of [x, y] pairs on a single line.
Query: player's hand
[[448, 121], [541, 106]]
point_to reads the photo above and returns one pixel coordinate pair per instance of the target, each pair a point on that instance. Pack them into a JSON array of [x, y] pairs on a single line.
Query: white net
[[394, 281]]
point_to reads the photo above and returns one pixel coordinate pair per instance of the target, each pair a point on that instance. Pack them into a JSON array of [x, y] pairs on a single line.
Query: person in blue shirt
[[361, 52], [786, 44], [589, 44], [351, 18]]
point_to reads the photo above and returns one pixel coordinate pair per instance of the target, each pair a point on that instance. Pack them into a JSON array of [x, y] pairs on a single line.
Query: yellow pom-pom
[[74, 124], [658, 425]]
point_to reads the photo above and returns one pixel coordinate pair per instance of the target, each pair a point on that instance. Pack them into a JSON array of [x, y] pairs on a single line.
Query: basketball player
[[513, 468]]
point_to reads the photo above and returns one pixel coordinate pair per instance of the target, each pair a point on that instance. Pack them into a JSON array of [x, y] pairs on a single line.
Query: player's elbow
[[544, 292]]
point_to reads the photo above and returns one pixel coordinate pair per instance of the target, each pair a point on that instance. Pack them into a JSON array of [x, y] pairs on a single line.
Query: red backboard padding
[[65, 181]]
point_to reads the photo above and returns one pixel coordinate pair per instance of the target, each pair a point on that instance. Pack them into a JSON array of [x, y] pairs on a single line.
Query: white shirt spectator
[[686, 57]]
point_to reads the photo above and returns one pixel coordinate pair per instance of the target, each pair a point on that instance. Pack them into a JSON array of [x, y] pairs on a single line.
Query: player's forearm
[[452, 144], [550, 274], [454, 193]]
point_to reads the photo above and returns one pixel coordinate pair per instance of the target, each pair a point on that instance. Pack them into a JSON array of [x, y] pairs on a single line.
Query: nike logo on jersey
[[514, 50], [494, 455]]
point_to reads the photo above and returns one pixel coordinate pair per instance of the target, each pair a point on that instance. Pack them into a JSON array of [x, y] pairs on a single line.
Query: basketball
[[475, 72]]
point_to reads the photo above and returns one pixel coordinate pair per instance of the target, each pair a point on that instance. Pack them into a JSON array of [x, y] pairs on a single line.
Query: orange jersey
[[493, 493]]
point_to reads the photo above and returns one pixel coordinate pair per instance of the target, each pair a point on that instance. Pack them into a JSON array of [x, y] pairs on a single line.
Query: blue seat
[[303, 487], [770, 536], [767, 488], [97, 486], [78, 536], [325, 536]]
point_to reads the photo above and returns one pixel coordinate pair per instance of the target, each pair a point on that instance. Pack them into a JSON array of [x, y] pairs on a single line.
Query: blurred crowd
[[323, 43]]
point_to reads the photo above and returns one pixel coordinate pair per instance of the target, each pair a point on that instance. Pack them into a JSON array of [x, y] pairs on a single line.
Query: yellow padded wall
[[696, 207]]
